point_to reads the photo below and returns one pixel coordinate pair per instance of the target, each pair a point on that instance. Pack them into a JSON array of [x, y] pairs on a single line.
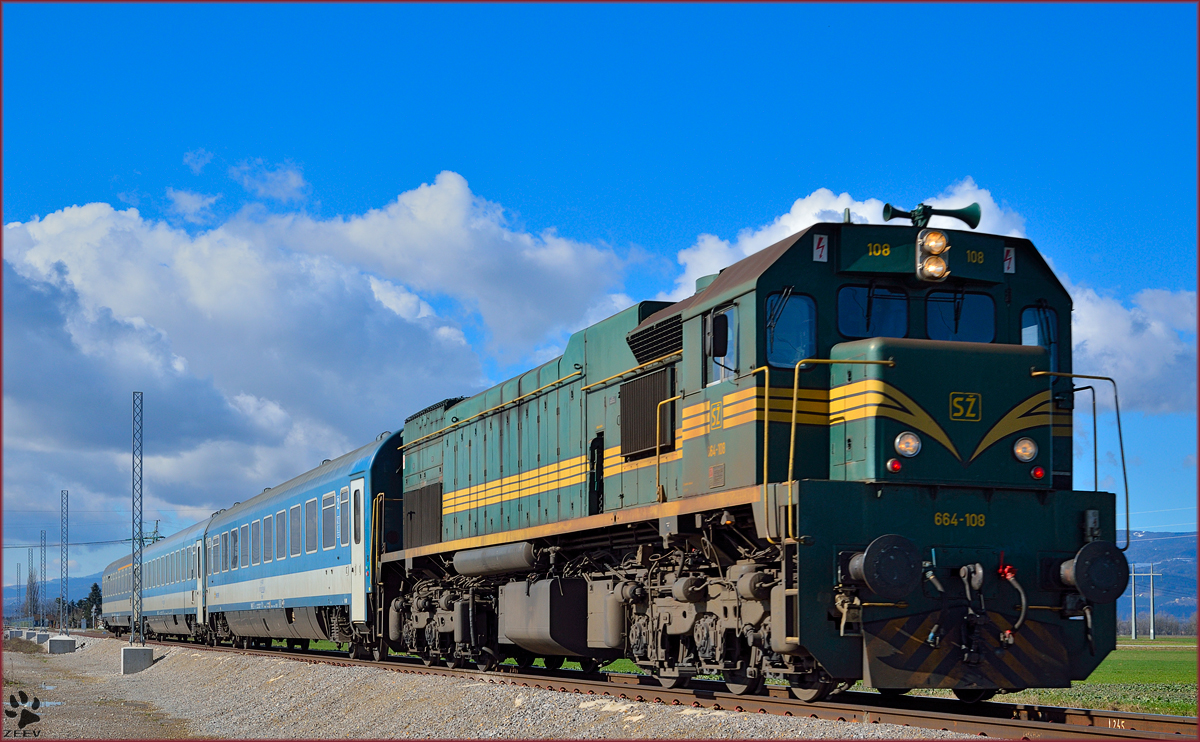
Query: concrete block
[[42, 637], [31, 635], [62, 645], [136, 659]]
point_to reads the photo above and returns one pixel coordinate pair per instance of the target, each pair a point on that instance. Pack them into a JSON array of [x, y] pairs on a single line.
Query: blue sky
[[297, 224]]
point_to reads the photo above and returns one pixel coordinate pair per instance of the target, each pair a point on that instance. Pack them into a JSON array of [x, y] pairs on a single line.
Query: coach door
[[358, 551], [199, 563]]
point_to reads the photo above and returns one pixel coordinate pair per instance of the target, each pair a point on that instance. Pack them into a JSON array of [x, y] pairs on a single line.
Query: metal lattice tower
[[136, 632], [31, 595], [41, 602], [63, 614]]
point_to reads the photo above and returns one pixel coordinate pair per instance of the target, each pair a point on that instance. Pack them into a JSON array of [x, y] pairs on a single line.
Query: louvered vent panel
[[657, 340], [639, 400], [423, 516]]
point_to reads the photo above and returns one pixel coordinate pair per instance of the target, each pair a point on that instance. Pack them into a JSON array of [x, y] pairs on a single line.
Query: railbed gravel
[[191, 692]]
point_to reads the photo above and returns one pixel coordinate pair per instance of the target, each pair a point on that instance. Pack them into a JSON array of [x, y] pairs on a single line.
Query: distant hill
[[77, 589], [1174, 558]]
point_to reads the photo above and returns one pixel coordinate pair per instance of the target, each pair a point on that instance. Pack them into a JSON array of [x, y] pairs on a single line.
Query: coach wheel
[[974, 695], [739, 682], [892, 692], [554, 662], [589, 665]]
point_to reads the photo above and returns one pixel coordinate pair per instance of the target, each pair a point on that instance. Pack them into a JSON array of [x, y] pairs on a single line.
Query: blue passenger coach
[[290, 563]]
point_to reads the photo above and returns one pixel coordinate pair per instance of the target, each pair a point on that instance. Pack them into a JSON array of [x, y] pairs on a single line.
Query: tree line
[[1164, 625]]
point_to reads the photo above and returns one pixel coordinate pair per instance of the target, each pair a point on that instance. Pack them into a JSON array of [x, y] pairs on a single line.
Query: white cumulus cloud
[[193, 207], [197, 159], [283, 182]]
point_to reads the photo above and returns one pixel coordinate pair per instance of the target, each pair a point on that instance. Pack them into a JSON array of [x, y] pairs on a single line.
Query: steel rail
[[1005, 720]]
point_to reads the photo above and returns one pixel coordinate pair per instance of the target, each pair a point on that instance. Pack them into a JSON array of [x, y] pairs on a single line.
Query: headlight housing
[[933, 241], [908, 444], [1025, 449]]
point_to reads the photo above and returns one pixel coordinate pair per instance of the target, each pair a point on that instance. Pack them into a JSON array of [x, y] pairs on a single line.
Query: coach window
[[955, 315], [344, 508], [294, 516], [245, 546], [255, 541], [720, 345], [225, 550], [233, 548], [310, 526], [872, 311], [328, 521], [791, 328], [281, 534], [268, 549], [1039, 326]]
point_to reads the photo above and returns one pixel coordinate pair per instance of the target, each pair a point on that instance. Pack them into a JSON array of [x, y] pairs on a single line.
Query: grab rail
[[1120, 438], [659, 493], [635, 368]]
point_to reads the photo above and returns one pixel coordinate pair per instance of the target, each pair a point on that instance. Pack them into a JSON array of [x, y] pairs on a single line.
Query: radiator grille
[[639, 400], [423, 515], [657, 340]]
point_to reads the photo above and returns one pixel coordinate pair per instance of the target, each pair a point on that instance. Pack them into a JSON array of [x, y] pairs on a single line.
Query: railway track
[[1004, 720]]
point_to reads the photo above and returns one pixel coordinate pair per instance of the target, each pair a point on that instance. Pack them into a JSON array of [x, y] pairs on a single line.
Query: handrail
[[1095, 445], [1120, 438], [766, 444], [377, 539], [795, 404], [659, 493], [491, 409], [635, 368]]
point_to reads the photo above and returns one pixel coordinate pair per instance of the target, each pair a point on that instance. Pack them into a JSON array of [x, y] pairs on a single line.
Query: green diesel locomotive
[[847, 456]]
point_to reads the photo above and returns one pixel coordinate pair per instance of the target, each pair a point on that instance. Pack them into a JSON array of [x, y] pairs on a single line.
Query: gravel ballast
[[191, 692]]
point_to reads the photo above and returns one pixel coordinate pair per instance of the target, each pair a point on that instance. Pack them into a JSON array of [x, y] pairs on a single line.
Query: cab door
[[358, 550]]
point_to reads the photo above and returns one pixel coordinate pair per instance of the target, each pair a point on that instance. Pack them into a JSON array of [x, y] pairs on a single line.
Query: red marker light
[[893, 465], [1037, 472]]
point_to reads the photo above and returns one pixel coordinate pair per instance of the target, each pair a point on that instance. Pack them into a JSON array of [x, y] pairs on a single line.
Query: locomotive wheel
[[377, 653], [554, 662], [973, 696], [811, 690], [892, 692], [485, 663], [739, 682], [427, 659], [454, 661], [673, 681]]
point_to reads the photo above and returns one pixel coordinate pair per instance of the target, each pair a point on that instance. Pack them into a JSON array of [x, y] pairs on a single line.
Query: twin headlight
[[931, 261], [908, 444]]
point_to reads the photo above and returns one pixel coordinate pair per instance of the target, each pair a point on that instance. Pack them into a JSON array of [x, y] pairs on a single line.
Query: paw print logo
[[26, 708]]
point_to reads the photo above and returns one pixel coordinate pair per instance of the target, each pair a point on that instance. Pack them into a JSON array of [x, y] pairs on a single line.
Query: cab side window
[[1039, 326], [872, 311], [720, 345], [791, 328]]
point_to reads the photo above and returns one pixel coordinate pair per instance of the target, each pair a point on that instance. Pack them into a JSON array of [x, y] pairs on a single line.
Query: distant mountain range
[[77, 589], [1174, 558]]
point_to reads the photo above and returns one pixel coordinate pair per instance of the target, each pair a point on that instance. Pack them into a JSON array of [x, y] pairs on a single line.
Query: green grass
[[1158, 642]]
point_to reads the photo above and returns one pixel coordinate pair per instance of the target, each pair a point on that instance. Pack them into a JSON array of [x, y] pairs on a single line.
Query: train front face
[[947, 548]]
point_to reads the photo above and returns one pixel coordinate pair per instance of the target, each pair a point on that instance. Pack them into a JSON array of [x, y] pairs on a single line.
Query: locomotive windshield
[[872, 311], [958, 316]]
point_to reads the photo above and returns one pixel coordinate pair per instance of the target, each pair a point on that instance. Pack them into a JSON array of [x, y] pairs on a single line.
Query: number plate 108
[[971, 520]]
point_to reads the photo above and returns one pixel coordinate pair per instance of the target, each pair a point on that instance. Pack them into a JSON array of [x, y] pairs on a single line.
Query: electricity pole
[[63, 614], [136, 620]]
